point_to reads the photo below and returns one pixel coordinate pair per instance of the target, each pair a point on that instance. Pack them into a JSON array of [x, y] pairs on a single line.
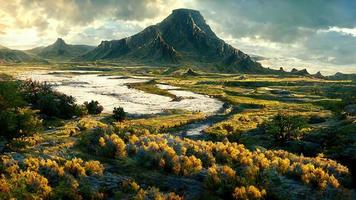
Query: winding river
[[111, 91]]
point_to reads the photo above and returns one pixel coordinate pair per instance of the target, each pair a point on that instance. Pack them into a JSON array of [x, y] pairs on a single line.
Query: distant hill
[[60, 50], [342, 76], [183, 38], [15, 56]]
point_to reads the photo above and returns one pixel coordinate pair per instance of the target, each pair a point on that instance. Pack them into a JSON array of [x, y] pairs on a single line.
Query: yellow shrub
[[190, 165], [250, 192], [94, 167], [75, 167]]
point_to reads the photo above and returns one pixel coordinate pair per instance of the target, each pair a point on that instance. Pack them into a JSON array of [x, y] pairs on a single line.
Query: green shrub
[[93, 107], [20, 122], [28, 122], [15, 119], [285, 127], [50, 102], [58, 105], [10, 97], [119, 114]]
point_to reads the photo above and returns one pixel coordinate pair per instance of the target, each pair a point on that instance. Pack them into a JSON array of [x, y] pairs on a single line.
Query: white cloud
[[346, 31]]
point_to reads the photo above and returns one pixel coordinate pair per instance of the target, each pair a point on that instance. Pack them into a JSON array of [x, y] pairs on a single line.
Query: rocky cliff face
[[183, 38]]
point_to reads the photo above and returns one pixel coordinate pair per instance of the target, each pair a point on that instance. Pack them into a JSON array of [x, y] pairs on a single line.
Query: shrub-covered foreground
[[37, 178], [230, 170]]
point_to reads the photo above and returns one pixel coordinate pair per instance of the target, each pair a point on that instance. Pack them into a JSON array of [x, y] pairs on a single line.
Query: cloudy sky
[[319, 35]]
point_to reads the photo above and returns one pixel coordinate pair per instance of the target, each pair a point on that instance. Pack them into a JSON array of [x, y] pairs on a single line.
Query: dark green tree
[[285, 127], [119, 114], [93, 107]]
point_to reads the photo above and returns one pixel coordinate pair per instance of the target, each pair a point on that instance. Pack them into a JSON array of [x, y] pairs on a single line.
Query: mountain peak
[[186, 20], [318, 75], [185, 11], [60, 41]]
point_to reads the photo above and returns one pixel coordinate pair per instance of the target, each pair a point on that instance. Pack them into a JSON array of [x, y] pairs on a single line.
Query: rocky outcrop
[[302, 72]]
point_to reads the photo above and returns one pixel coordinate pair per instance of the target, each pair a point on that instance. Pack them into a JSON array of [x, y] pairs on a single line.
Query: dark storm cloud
[[274, 20], [280, 20], [289, 22]]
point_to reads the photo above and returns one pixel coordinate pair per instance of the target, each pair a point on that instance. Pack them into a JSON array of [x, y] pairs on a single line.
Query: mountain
[[60, 50], [15, 56], [183, 38], [342, 76]]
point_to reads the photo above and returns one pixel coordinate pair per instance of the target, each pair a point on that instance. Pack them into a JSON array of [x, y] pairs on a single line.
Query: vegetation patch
[[159, 123], [151, 87]]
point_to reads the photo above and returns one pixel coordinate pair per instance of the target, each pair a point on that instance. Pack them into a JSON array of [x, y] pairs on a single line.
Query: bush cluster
[[139, 193], [16, 119], [249, 192], [23, 142], [19, 122], [48, 101], [93, 107], [229, 168], [38, 178]]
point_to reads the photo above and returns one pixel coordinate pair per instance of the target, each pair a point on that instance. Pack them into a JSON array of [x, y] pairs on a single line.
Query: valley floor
[[186, 154]]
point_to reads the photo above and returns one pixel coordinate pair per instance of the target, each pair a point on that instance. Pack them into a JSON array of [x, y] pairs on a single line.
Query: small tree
[[119, 114], [285, 127], [94, 107]]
